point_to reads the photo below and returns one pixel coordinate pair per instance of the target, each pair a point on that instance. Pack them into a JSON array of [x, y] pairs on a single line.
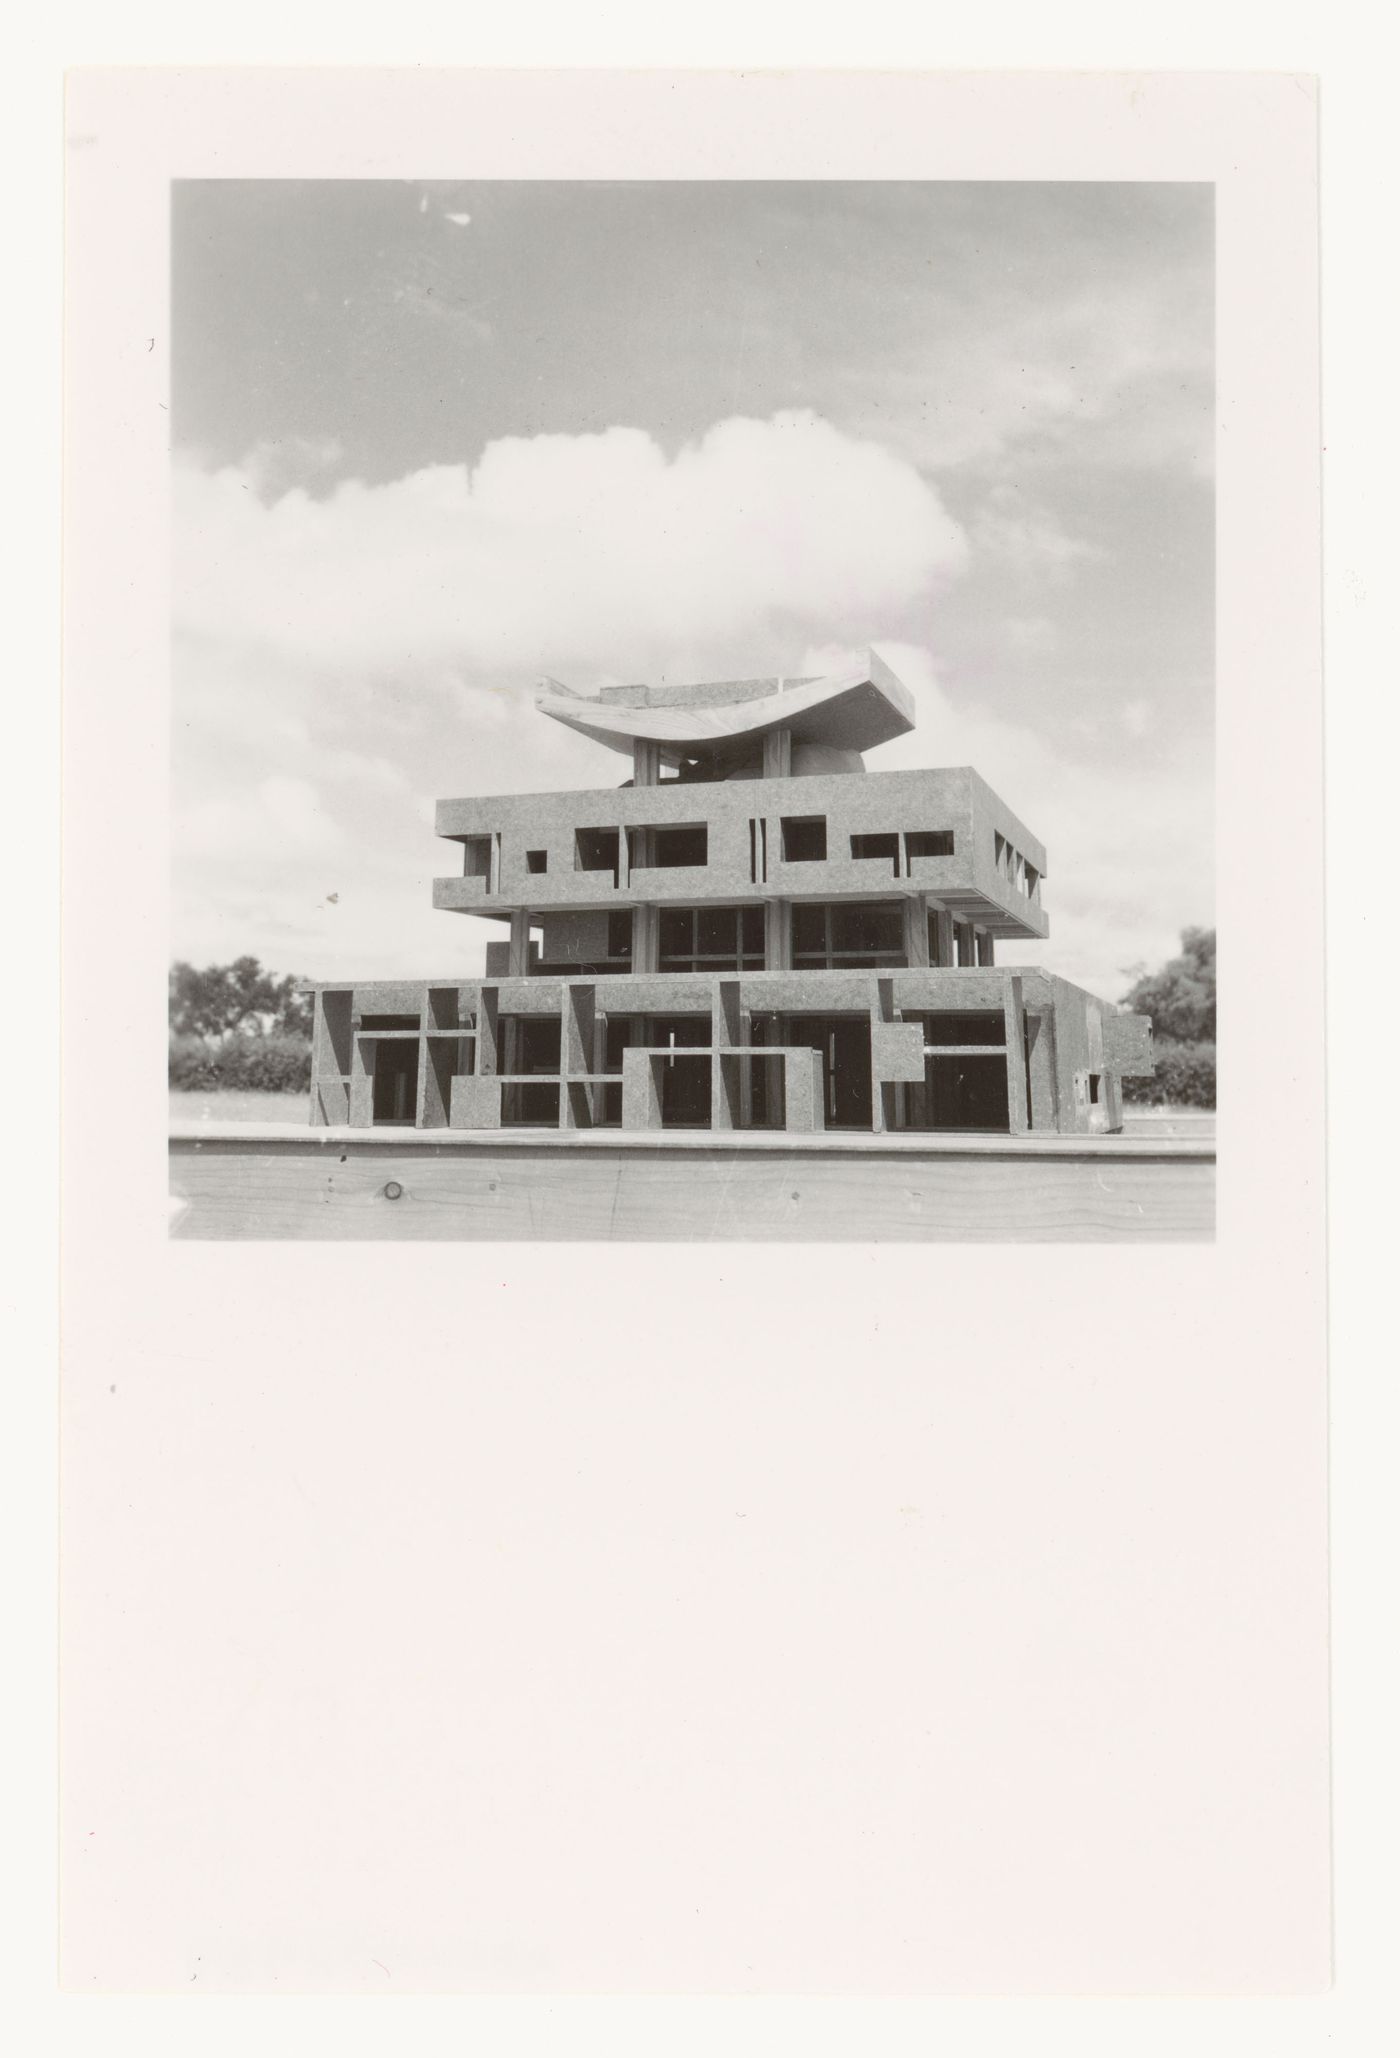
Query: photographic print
[[789, 606], [675, 672]]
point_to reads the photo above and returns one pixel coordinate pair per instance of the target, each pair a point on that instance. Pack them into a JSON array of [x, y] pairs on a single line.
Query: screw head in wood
[[392, 1190]]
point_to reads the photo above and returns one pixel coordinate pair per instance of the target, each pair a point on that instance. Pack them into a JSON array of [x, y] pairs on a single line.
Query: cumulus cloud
[[276, 465], [564, 550]]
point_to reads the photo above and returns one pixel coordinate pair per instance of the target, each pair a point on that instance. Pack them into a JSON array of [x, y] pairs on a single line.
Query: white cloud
[[567, 550], [273, 467]]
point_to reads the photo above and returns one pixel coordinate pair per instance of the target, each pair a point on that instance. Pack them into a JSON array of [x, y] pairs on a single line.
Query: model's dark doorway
[[685, 1081], [396, 1080], [965, 1092], [844, 1042], [965, 1078], [531, 1043]]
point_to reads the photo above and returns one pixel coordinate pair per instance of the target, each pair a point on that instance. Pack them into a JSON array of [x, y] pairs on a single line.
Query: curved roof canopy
[[849, 710]]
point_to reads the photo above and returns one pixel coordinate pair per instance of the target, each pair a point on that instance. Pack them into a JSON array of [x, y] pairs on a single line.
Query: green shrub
[[1183, 1076], [1181, 997], [242, 1064]]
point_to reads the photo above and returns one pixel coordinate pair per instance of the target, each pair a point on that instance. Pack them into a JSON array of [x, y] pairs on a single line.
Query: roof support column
[[644, 938], [646, 761], [1017, 1098], [519, 960], [777, 754], [915, 930]]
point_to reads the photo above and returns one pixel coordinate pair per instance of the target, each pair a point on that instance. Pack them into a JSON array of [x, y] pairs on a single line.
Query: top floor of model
[[748, 792]]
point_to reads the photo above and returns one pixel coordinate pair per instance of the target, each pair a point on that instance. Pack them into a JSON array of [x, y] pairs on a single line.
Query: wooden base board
[[246, 1181]]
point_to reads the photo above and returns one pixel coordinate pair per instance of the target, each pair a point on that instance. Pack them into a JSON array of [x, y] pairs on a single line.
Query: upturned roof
[[847, 710]]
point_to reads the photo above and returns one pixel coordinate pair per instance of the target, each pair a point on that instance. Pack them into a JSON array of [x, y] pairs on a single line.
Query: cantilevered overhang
[[849, 710]]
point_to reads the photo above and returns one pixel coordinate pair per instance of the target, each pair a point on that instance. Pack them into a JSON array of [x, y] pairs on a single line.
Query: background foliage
[[1181, 1001], [235, 1028], [241, 1064], [240, 999]]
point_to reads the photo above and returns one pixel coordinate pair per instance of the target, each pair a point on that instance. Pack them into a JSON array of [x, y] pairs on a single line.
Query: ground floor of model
[[986, 1049]]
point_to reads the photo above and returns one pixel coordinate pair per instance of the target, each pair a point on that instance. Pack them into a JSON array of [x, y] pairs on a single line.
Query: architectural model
[[752, 932]]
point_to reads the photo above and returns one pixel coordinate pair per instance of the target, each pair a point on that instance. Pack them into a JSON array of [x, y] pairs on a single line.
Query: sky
[[433, 441]]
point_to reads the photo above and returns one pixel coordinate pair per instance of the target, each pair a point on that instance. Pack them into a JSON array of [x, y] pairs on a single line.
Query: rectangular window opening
[[537, 860], [804, 839], [596, 850], [981, 1027], [620, 935], [884, 845], [932, 843], [668, 844], [724, 939], [848, 935], [476, 857]]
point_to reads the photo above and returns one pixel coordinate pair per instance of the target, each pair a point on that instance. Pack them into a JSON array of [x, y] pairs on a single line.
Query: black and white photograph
[[670, 1394], [693, 709]]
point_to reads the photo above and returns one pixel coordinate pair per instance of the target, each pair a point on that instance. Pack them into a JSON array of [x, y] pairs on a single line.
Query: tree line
[[240, 999], [1180, 998]]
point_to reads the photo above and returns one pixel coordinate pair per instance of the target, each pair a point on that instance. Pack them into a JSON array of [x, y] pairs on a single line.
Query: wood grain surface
[[334, 1186]]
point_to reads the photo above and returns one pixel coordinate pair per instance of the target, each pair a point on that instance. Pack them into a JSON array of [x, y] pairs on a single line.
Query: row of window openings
[[804, 842], [835, 936], [1021, 876], [826, 936], [838, 936], [662, 846]]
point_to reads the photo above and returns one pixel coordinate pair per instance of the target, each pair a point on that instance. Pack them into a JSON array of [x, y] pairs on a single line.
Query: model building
[[749, 932]]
